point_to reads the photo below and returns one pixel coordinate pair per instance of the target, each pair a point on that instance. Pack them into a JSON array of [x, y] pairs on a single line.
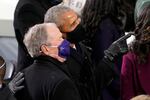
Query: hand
[[117, 47], [14, 84]]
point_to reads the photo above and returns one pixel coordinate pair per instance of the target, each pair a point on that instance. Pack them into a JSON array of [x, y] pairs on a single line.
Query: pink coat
[[135, 78]]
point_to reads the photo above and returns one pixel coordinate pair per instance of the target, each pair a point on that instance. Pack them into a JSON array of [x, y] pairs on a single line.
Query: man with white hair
[[47, 78]]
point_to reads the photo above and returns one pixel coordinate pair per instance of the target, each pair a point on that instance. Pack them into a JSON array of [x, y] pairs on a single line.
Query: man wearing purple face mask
[[27, 14], [64, 49], [89, 80], [47, 78]]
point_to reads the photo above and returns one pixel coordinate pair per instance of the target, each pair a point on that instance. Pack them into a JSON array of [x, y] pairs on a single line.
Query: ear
[[61, 28], [45, 49]]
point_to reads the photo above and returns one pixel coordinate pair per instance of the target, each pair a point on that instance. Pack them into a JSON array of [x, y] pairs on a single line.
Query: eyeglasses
[[3, 62]]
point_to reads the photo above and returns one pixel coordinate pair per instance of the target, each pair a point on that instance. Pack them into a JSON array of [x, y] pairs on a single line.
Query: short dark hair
[[53, 14]]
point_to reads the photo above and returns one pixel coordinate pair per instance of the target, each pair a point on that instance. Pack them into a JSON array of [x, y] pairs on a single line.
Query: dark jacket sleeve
[[104, 37], [104, 73], [66, 90], [5, 94]]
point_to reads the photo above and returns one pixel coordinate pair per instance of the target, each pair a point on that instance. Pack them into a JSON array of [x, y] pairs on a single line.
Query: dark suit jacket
[[90, 80], [107, 32], [5, 94], [48, 79], [27, 14]]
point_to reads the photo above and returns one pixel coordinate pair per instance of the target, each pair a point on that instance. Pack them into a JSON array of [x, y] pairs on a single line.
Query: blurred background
[[7, 8], [8, 43]]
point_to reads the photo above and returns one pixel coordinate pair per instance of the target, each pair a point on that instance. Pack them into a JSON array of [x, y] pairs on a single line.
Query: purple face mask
[[64, 49]]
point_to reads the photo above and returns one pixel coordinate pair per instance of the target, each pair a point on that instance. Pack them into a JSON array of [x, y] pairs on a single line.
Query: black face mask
[[77, 35]]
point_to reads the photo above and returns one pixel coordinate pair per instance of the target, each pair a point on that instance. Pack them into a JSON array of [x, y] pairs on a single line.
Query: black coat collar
[[48, 60]]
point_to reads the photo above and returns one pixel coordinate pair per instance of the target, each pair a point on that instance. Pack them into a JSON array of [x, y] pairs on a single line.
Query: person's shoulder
[[130, 60], [130, 55], [128, 64], [27, 5], [57, 77], [48, 73]]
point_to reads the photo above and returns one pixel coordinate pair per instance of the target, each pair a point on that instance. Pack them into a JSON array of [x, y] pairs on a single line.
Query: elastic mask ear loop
[[50, 46], [54, 46]]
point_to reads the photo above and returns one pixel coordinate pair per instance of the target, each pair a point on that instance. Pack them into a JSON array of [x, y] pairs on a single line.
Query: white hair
[[34, 38]]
